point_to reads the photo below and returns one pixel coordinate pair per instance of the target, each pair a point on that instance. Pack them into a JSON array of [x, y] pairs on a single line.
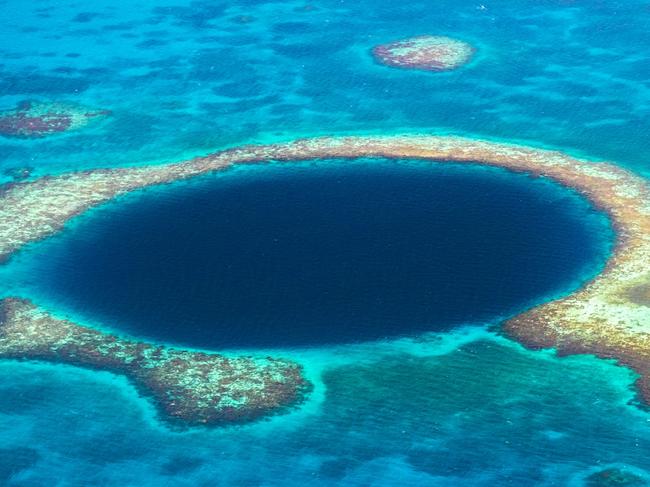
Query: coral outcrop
[[428, 53], [189, 388], [609, 316], [37, 119]]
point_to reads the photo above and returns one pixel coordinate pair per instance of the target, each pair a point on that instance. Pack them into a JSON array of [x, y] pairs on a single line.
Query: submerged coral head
[[426, 52], [39, 119]]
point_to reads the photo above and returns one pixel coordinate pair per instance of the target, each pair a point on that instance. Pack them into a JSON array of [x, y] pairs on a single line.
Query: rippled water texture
[[181, 77]]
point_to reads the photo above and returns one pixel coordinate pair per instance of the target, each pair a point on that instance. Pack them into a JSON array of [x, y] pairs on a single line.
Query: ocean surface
[[408, 391]]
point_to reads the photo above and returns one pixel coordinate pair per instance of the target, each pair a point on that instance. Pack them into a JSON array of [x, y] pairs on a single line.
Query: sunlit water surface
[[186, 77]]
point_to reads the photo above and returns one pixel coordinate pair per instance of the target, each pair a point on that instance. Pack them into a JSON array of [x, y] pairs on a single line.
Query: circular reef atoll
[[428, 53], [33, 119], [609, 316]]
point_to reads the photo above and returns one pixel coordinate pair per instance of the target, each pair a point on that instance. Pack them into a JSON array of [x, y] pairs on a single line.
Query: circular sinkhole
[[321, 252]]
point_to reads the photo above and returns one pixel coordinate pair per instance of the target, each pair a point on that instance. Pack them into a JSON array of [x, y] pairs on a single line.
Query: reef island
[[608, 317], [33, 119], [189, 388]]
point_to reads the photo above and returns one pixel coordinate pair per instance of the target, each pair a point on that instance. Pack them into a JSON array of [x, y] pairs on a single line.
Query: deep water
[[184, 77], [307, 254]]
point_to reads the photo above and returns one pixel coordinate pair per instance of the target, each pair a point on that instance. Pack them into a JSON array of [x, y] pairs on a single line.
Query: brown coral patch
[[427, 53], [37, 119], [190, 388]]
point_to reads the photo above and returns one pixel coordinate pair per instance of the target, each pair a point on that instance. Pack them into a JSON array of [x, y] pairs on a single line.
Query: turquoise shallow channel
[[438, 397]]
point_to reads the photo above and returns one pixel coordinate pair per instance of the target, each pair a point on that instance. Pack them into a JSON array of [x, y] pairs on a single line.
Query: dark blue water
[[319, 253]]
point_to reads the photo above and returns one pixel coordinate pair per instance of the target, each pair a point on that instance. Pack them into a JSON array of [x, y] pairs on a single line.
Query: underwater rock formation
[[428, 53], [37, 119], [607, 317]]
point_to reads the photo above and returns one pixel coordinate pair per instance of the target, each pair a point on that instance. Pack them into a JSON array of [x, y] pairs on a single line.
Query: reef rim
[[604, 317]]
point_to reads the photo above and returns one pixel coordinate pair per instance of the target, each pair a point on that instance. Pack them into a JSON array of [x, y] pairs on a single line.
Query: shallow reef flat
[[189, 388], [427, 53], [33, 119], [609, 316]]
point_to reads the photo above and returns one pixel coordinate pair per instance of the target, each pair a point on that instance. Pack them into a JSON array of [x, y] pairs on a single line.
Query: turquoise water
[[433, 412], [189, 77], [184, 78]]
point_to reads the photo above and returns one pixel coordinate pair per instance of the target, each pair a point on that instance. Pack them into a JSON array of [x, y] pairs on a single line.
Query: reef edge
[[189, 388], [607, 316]]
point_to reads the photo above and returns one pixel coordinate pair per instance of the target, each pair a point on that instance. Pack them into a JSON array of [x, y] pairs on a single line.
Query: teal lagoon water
[[463, 409], [459, 407], [186, 77]]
